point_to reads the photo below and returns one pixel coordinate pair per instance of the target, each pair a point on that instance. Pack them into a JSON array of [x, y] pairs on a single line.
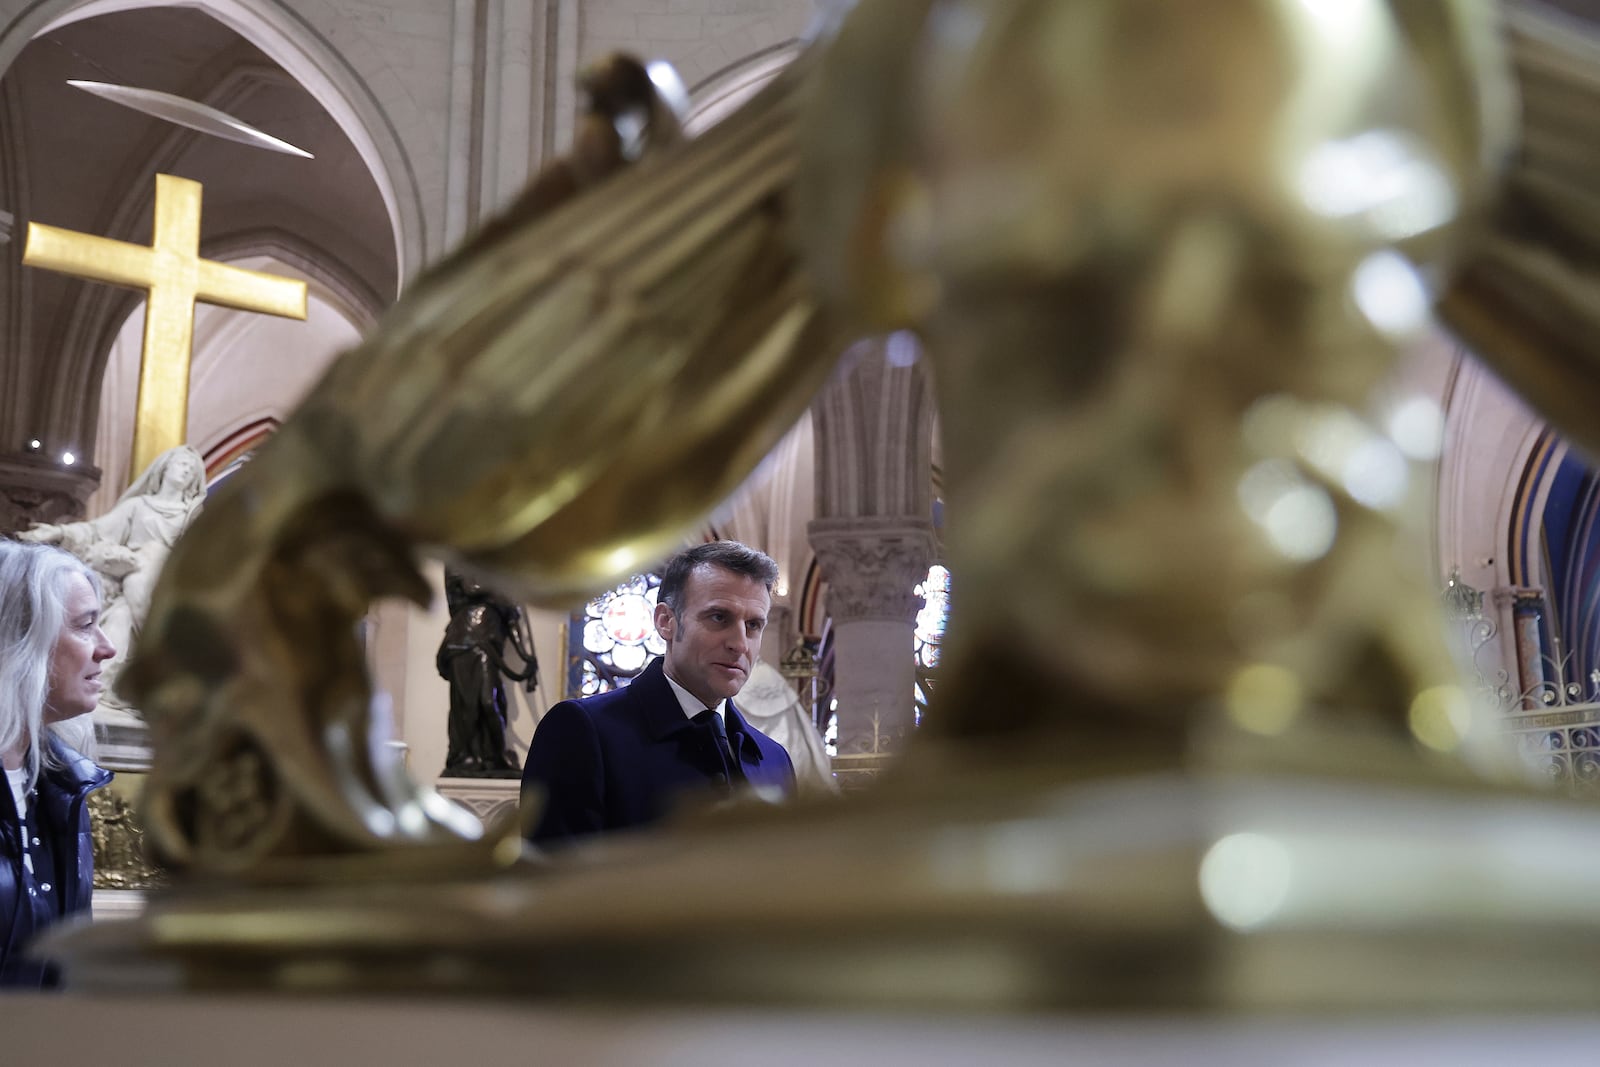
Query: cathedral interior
[[420, 121]]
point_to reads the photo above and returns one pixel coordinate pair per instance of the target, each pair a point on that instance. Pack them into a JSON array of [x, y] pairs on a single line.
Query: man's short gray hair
[[729, 555]]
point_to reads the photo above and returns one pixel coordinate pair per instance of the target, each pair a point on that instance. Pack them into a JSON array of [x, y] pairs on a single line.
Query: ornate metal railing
[[1554, 724], [1562, 742]]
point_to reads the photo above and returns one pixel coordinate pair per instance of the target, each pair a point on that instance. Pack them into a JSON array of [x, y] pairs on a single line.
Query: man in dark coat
[[621, 759]]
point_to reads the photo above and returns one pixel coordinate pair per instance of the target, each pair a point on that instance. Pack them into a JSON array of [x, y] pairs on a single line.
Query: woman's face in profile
[[81, 647]]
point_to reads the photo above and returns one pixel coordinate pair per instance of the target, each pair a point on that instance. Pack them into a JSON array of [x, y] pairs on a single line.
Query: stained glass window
[[928, 636], [830, 736], [613, 637]]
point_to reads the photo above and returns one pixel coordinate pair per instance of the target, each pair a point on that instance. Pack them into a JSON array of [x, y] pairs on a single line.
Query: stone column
[[873, 564], [778, 636], [874, 539], [1527, 611], [513, 101]]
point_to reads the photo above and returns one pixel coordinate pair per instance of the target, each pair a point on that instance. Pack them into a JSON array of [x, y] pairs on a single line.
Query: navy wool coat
[[61, 810], [622, 759]]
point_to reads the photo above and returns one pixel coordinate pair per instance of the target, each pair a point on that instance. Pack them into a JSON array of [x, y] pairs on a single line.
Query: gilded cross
[[174, 277]]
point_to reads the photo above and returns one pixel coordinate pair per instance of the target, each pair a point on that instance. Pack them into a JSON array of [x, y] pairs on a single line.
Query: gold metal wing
[[1527, 298], [555, 406]]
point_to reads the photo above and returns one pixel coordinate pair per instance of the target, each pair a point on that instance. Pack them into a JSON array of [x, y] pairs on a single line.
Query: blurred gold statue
[[1161, 254], [1161, 259]]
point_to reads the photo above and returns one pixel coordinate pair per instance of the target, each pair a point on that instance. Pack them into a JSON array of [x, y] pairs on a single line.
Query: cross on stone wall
[[174, 277]]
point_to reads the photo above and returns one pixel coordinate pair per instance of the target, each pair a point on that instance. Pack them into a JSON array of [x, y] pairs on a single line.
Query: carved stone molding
[[117, 904], [489, 799], [872, 564], [35, 488], [859, 770]]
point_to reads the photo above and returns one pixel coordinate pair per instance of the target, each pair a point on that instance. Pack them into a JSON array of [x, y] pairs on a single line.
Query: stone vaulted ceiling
[[70, 159]]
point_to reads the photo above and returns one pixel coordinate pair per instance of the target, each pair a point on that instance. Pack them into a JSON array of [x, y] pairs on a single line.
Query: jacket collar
[[62, 787], [657, 702], [77, 771], [663, 716]]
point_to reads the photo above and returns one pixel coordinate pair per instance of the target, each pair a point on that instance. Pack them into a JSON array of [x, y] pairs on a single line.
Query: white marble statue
[[128, 545], [768, 701]]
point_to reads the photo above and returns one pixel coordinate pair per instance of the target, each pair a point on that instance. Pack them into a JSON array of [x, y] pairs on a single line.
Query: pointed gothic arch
[[1485, 500], [1499, 464], [293, 42], [359, 266]]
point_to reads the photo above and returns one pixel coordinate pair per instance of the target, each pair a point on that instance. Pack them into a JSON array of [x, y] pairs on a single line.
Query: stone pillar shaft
[[873, 564], [1527, 609]]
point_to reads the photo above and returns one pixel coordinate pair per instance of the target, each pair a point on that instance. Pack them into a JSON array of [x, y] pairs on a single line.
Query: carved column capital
[[872, 564], [34, 488]]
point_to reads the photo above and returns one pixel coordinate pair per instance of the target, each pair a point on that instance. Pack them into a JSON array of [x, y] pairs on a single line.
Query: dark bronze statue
[[473, 660]]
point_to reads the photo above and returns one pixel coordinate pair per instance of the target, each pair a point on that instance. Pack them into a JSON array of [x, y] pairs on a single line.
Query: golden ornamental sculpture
[[1160, 254], [120, 860]]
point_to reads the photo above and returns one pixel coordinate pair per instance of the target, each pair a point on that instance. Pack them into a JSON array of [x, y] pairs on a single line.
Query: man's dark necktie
[[720, 732]]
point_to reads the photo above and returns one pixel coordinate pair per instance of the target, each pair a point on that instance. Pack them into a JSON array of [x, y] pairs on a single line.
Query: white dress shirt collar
[[690, 703]]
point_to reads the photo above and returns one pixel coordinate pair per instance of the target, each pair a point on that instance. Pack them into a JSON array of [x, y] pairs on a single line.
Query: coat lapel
[[749, 751], [658, 704], [663, 716]]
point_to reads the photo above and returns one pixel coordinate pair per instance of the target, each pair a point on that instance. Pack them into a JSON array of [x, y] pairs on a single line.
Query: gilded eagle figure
[[1160, 255]]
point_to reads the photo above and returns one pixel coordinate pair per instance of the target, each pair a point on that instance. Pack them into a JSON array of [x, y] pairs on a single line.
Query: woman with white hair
[[51, 652]]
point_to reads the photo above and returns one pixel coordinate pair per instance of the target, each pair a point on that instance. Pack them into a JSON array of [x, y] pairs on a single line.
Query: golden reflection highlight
[[1265, 698], [1441, 717]]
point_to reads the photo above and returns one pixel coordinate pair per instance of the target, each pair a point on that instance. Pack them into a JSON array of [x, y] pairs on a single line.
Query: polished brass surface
[[174, 276], [1007, 889], [1525, 297], [1138, 239], [1199, 744]]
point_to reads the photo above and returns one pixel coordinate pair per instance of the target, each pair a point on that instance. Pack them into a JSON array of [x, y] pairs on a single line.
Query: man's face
[[711, 650]]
